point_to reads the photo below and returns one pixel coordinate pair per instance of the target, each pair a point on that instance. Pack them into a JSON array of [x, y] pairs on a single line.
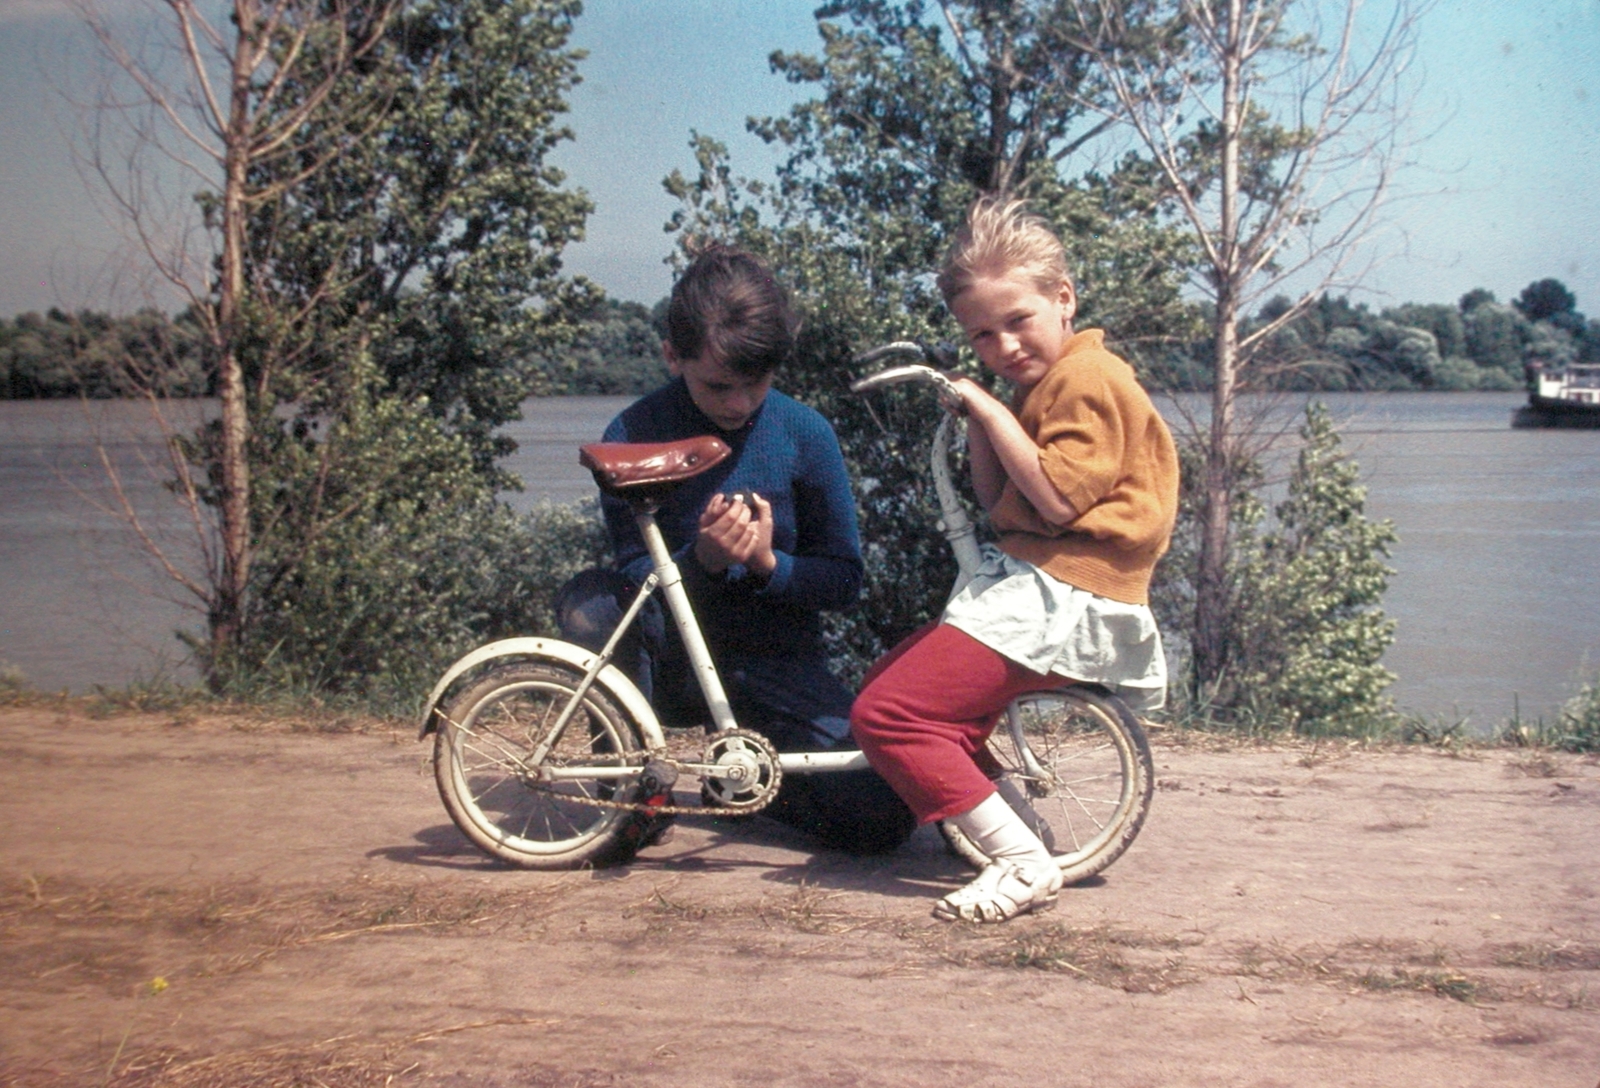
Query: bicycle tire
[[479, 761], [1096, 784]]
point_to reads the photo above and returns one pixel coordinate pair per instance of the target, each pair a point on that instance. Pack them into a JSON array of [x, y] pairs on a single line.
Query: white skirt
[[1046, 625]]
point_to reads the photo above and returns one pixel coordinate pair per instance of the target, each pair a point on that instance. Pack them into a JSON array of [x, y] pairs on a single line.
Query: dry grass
[[1106, 956], [1549, 956], [1496, 974]]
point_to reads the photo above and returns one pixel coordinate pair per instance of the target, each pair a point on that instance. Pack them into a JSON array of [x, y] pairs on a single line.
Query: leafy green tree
[[96, 355], [1307, 631], [617, 351], [1545, 300], [1495, 334], [388, 237], [1443, 322], [918, 109]]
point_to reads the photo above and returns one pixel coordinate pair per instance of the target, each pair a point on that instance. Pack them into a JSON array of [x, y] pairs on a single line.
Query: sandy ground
[[235, 903]]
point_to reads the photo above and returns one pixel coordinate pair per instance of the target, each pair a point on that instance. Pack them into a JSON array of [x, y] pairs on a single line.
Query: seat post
[[705, 670]]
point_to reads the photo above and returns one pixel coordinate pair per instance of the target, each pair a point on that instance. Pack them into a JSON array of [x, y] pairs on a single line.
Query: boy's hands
[[732, 532]]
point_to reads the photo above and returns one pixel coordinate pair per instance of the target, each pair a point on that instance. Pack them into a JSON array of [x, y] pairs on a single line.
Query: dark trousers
[[795, 702]]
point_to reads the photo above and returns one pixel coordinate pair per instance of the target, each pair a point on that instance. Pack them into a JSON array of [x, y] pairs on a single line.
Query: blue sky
[[1505, 188]]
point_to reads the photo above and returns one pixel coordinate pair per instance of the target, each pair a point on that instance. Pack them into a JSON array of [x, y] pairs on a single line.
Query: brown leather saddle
[[648, 471]]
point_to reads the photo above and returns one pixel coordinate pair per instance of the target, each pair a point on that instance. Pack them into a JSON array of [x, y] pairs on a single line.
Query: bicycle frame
[[955, 523], [597, 669]]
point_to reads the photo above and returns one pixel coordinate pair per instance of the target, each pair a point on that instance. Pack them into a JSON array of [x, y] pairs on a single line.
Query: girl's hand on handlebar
[[732, 532], [974, 398]]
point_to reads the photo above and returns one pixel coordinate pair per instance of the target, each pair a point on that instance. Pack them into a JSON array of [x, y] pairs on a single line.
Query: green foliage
[[1305, 633], [1480, 344], [429, 234], [909, 122], [617, 351], [1494, 335], [404, 277], [96, 355], [1578, 727], [383, 554], [1545, 299]]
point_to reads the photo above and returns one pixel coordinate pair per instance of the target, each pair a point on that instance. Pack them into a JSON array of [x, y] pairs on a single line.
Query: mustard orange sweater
[[1107, 450]]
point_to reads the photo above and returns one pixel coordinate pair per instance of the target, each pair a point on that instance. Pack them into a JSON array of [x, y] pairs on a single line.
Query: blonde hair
[[1001, 236]]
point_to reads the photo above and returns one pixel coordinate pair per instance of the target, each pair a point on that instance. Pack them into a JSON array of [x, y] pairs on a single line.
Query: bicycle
[[547, 756]]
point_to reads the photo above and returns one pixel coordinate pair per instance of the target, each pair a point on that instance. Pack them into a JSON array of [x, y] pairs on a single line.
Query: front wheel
[[546, 814], [1077, 768]]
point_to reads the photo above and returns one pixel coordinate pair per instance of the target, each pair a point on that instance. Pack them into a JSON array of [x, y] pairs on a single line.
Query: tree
[[919, 108], [1494, 334], [617, 351], [225, 111], [1308, 633], [96, 355], [1545, 300], [384, 263], [1278, 143]]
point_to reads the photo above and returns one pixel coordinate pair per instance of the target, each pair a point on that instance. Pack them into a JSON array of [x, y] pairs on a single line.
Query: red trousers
[[925, 713]]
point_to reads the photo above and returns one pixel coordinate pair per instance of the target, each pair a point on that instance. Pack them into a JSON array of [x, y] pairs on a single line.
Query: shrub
[[1305, 630], [1578, 727]]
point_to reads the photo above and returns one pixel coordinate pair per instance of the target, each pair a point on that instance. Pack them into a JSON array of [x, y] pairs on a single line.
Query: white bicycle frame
[[956, 525]]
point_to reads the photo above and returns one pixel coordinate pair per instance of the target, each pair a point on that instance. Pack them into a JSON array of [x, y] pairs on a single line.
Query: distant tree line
[[1479, 343], [96, 355]]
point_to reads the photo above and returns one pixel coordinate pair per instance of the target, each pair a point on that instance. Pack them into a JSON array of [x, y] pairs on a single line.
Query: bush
[[1305, 630], [382, 554], [14, 688], [1578, 728]]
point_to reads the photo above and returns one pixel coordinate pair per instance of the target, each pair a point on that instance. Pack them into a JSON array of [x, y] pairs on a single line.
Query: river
[[1495, 591]]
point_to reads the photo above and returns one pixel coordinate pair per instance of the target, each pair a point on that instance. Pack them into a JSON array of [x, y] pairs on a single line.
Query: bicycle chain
[[748, 809]]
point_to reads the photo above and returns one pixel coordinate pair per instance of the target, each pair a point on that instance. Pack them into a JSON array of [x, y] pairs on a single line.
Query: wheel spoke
[[496, 793]]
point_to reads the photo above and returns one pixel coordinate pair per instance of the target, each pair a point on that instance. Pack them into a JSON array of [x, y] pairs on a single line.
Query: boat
[[1567, 396]]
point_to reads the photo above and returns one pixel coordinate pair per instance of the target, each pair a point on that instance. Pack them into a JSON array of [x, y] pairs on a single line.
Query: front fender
[[612, 680]]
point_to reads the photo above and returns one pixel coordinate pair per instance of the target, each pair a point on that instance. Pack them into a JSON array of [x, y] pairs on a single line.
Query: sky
[[1503, 189]]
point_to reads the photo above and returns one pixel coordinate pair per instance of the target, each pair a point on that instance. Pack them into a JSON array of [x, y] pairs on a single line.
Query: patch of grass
[[159, 694], [1436, 732], [1578, 728], [1451, 984], [1120, 959], [1550, 956]]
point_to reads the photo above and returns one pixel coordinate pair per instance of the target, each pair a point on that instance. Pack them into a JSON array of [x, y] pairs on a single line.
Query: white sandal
[[1001, 892]]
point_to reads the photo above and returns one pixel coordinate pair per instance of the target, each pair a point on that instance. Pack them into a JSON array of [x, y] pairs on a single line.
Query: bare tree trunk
[[1211, 591], [227, 612]]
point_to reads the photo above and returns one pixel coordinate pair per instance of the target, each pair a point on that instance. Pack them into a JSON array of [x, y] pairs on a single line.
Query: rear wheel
[[1078, 770], [520, 812]]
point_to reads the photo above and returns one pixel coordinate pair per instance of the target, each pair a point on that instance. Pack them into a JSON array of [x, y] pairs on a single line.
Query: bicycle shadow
[[708, 845]]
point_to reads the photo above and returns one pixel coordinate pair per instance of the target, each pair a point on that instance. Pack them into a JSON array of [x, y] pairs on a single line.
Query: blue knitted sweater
[[787, 453]]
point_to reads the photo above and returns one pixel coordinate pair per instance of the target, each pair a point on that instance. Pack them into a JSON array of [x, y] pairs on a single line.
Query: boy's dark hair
[[727, 303]]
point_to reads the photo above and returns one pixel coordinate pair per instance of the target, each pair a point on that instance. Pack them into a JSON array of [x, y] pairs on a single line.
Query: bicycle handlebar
[[908, 372], [957, 526]]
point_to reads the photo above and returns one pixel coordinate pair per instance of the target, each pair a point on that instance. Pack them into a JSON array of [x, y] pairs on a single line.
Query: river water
[[1497, 590]]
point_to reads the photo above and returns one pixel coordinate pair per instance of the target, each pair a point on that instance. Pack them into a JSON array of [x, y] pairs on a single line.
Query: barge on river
[[1565, 397]]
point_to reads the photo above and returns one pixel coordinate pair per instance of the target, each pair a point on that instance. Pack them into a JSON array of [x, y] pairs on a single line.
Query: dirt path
[[1288, 917]]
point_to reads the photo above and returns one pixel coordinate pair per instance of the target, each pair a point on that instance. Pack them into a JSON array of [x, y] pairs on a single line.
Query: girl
[[1080, 479]]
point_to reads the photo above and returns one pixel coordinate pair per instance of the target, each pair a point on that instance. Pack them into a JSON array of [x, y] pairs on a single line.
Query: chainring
[[754, 774]]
